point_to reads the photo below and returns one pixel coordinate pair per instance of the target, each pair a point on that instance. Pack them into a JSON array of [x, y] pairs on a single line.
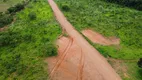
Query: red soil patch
[[100, 39]]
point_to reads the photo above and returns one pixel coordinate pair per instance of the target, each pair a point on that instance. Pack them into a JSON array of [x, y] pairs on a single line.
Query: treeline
[[7, 17], [136, 4]]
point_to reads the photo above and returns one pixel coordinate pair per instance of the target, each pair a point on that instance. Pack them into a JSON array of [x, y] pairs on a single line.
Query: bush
[[19, 6], [10, 63], [11, 10], [32, 16], [65, 7], [49, 50], [21, 68], [5, 19], [4, 0], [10, 38], [16, 8], [140, 63]]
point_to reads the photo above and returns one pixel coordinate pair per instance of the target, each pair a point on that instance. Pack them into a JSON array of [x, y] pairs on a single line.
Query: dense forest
[[136, 4]]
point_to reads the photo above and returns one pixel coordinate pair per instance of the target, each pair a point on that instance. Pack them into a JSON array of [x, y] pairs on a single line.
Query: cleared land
[[92, 57], [110, 19]]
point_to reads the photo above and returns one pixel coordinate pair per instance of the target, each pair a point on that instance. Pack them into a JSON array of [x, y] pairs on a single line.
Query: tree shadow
[[135, 4]]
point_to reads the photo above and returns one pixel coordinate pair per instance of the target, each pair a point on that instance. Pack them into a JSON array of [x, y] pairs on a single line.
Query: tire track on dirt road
[[61, 58], [80, 71]]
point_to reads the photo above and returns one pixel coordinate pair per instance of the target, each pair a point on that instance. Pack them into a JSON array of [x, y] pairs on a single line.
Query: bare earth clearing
[[77, 59], [100, 39]]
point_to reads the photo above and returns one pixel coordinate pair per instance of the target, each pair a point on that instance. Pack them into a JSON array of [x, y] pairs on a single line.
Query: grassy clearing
[[27, 42], [5, 5], [127, 69], [110, 20]]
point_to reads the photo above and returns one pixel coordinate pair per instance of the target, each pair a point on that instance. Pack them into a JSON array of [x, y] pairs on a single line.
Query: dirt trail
[[100, 39], [86, 63]]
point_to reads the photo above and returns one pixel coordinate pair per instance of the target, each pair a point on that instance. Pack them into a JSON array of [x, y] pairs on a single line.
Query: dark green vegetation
[[16, 8], [140, 63], [7, 17], [27, 42], [137, 4], [109, 19]]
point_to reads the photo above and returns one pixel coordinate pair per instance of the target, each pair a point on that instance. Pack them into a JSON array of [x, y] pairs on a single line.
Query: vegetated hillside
[[5, 4], [25, 44], [110, 20]]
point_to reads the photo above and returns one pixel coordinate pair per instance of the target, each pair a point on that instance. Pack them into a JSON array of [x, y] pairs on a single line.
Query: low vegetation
[[16, 8], [109, 19], [5, 19], [140, 63], [25, 44]]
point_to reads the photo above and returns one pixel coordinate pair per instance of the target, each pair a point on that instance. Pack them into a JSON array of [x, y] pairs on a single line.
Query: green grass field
[[5, 5], [27, 42], [110, 20]]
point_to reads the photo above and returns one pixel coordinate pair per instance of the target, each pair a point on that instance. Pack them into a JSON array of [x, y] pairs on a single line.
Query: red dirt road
[[93, 66]]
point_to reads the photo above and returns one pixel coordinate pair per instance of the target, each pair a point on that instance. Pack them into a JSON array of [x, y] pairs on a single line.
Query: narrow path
[[94, 63]]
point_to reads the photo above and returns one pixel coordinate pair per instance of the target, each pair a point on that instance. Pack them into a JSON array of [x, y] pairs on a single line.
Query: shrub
[[21, 68], [16, 8], [5, 19], [65, 7], [4, 0], [11, 9], [49, 50], [19, 6], [140, 63], [32, 16], [10, 62], [10, 38]]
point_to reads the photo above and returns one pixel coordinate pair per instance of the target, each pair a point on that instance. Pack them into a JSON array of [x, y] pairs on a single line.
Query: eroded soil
[[100, 39]]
